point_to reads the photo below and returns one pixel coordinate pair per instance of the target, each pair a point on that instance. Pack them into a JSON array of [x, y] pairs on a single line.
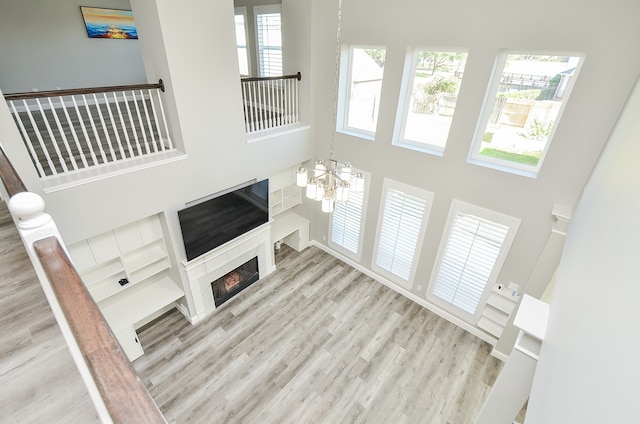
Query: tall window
[[471, 254], [522, 109], [361, 84], [425, 116], [404, 214], [347, 220], [241, 40], [269, 40]]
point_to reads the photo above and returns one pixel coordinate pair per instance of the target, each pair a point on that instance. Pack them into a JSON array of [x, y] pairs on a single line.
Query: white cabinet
[[126, 272], [501, 303]]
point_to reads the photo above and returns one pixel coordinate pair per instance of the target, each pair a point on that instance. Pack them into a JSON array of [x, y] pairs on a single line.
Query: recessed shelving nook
[[495, 316], [284, 195], [126, 270]]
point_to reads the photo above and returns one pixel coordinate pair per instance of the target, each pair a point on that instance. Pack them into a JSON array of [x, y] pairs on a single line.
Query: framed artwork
[[109, 23]]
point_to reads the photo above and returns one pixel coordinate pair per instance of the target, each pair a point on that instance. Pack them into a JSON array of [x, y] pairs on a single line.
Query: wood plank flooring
[[39, 381], [316, 342]]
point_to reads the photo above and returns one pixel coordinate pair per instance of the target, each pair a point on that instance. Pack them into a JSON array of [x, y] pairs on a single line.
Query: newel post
[[28, 212]]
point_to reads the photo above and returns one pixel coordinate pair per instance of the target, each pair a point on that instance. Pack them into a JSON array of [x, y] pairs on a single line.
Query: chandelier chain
[[336, 82]]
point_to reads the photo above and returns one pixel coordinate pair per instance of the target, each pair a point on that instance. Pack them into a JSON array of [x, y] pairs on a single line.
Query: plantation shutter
[[399, 232], [346, 222], [268, 28], [469, 258]]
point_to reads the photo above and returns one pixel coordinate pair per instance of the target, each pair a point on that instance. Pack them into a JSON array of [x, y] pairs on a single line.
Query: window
[[404, 213], [471, 254], [522, 109], [425, 115], [269, 40], [361, 85], [241, 40], [347, 220]]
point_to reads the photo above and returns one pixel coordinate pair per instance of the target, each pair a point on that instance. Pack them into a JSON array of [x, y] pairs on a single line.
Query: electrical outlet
[[513, 286], [419, 288], [324, 237]]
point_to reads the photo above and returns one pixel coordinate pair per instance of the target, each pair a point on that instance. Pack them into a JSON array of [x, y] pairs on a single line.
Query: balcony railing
[[270, 102], [71, 130], [112, 383]]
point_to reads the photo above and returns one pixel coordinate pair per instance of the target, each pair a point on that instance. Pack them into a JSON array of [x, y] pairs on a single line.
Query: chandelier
[[328, 181]]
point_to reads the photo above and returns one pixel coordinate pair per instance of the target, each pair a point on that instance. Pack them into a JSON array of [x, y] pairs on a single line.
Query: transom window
[[431, 83], [522, 109], [473, 249], [360, 88], [404, 214], [347, 221]]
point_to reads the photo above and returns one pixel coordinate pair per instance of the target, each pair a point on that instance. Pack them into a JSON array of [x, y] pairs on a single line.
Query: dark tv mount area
[[212, 223]]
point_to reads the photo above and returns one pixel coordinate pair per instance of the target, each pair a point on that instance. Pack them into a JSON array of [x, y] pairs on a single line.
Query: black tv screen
[[214, 222]]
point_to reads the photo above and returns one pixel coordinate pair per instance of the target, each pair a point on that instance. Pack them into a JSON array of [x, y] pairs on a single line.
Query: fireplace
[[232, 283], [219, 262]]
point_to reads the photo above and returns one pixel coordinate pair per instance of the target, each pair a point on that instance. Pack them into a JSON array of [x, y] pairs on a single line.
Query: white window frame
[[262, 10], [512, 223], [406, 92], [237, 12], [424, 195], [344, 92], [363, 213], [487, 108]]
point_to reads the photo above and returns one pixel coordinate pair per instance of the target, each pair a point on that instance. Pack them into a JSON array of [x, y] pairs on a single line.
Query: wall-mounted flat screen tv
[[214, 222]]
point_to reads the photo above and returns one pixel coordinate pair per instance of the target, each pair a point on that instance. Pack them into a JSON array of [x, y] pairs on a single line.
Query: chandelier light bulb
[[312, 187], [301, 177]]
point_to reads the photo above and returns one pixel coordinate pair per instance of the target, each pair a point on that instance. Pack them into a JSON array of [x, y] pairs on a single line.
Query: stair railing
[[270, 102], [112, 383], [76, 129]]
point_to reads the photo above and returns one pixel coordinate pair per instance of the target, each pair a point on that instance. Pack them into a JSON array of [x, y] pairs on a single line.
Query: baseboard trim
[[411, 296]]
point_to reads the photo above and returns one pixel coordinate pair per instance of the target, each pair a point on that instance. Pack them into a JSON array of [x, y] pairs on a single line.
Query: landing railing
[[270, 102], [112, 383], [76, 129]]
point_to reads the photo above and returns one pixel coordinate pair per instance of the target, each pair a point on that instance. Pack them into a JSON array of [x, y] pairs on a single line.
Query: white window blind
[[400, 230], [269, 40], [474, 251], [346, 223]]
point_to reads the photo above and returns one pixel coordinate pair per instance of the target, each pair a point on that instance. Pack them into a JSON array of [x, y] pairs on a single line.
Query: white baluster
[[104, 129], [62, 134], [41, 172], [94, 129], [73, 131], [122, 124], [113, 126], [149, 126], [133, 126]]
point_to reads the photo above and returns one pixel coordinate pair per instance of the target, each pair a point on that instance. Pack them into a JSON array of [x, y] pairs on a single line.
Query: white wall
[[607, 32], [588, 369], [44, 45]]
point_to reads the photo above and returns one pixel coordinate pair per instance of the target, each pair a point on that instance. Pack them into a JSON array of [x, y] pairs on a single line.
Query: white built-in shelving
[[285, 195], [500, 304], [136, 253]]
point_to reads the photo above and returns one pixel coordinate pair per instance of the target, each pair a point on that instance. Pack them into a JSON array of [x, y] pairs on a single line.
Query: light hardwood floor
[[316, 342], [39, 381]]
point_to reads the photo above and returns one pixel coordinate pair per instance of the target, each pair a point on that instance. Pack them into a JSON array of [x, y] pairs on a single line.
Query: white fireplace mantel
[[205, 269]]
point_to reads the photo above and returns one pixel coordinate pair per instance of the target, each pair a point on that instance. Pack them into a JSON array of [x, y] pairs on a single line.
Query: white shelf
[[490, 326], [104, 271], [497, 311], [144, 256], [285, 194], [140, 302]]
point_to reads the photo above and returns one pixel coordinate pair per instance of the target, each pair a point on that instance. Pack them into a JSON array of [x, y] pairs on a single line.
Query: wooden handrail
[[76, 91], [297, 76], [124, 395], [10, 177]]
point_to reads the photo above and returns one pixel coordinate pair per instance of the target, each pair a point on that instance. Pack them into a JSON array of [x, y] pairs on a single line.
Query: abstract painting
[[109, 23]]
